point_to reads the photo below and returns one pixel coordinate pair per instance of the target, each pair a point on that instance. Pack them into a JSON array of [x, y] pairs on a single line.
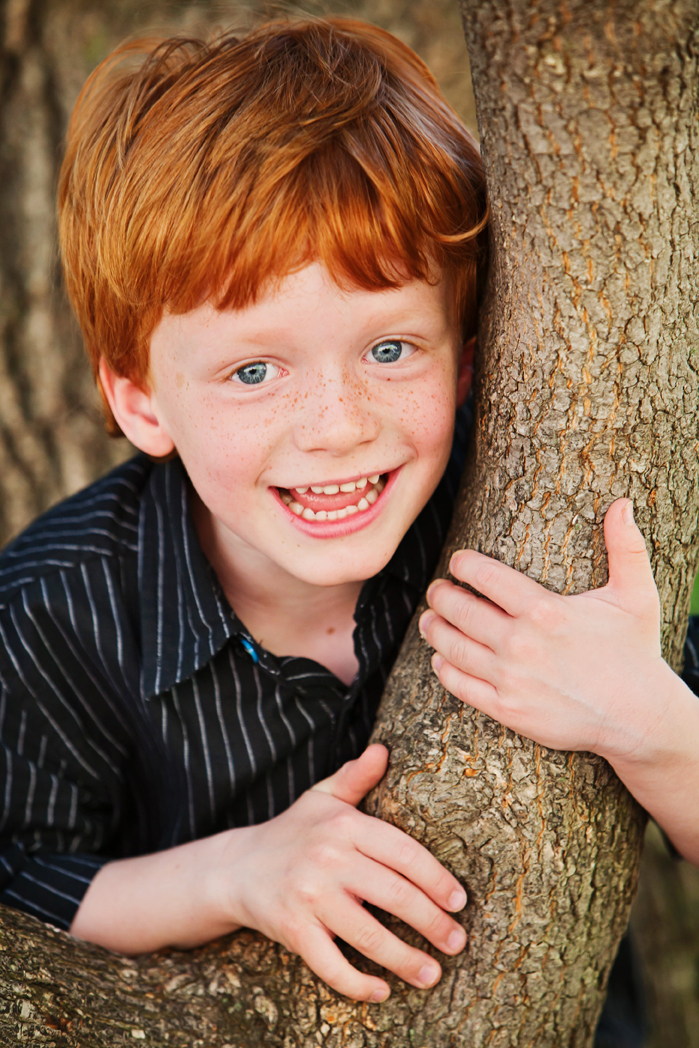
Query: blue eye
[[252, 374], [390, 351]]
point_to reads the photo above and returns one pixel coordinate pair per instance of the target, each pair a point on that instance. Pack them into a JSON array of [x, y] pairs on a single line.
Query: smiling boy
[[271, 245], [314, 425]]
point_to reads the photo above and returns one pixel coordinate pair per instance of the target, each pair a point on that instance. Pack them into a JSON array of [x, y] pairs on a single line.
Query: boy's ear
[[136, 411], [465, 375]]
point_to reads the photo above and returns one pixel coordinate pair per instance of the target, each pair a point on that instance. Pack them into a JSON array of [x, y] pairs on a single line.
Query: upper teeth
[[334, 489], [336, 514]]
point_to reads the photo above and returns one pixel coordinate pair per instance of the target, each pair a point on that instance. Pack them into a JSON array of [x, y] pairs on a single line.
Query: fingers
[[471, 690], [397, 851], [509, 589], [329, 963], [478, 619], [360, 929], [629, 564], [629, 572], [461, 651], [388, 890], [354, 779]]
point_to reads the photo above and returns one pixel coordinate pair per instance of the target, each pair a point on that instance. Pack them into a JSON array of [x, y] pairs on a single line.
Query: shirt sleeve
[[47, 885], [61, 783]]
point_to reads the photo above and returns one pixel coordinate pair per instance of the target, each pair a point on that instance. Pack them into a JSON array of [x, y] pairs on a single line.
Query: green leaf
[[695, 597]]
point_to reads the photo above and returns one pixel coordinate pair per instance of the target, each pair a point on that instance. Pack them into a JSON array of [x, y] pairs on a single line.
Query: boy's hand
[[573, 673], [307, 872]]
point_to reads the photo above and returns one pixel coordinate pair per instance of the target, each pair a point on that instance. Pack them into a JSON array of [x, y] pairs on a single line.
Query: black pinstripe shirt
[[136, 711]]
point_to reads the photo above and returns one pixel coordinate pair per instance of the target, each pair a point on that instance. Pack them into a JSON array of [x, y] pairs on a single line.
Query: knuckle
[[460, 652], [438, 927], [409, 852], [464, 612], [306, 891], [545, 612], [484, 574], [343, 821], [323, 855], [520, 648], [401, 893], [443, 884], [636, 546], [368, 940]]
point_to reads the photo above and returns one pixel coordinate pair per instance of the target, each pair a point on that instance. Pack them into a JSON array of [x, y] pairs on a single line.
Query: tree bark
[[587, 390]]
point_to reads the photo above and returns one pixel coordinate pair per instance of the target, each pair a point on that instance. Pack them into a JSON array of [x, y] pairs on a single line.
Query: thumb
[[629, 564], [355, 778]]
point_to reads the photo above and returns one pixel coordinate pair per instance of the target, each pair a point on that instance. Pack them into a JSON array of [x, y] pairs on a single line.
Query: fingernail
[[627, 513], [428, 975], [454, 560], [457, 900], [457, 940], [437, 662], [431, 588], [425, 620], [379, 995]]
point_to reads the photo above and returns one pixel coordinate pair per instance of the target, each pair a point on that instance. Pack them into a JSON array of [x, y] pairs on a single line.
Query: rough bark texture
[[587, 391]]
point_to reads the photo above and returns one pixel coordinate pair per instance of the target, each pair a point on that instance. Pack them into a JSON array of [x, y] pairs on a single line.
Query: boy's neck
[[285, 615]]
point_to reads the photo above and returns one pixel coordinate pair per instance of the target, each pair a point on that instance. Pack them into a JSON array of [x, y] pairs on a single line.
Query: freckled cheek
[[231, 447], [430, 417]]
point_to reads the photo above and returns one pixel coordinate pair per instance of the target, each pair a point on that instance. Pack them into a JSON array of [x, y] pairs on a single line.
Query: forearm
[[170, 898], [663, 775]]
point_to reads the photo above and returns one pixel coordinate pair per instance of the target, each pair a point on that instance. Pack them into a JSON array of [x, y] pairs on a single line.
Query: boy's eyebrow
[[397, 317]]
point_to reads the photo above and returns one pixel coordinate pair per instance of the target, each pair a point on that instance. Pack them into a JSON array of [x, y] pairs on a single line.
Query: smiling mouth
[[334, 501]]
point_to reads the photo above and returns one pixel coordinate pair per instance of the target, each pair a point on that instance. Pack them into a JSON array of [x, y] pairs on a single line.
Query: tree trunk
[[587, 390]]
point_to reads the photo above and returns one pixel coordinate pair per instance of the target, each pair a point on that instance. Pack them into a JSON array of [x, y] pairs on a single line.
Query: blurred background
[[52, 440]]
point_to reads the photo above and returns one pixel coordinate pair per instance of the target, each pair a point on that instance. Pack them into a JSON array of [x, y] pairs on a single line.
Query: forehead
[[310, 302]]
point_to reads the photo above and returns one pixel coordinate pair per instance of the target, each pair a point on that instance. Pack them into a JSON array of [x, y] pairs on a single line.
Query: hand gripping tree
[[586, 390]]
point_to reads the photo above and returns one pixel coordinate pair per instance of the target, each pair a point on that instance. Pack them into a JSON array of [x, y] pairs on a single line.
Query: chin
[[341, 575]]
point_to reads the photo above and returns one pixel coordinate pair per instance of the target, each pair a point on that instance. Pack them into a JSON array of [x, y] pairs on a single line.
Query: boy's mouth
[[334, 501]]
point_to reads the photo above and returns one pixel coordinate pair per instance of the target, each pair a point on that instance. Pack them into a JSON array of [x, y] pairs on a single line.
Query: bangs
[[206, 171], [373, 226]]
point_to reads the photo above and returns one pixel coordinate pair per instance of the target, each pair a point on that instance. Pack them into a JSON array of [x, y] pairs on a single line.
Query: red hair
[[202, 170]]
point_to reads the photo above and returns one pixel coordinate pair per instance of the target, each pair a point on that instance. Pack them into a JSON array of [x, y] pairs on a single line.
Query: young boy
[[271, 245]]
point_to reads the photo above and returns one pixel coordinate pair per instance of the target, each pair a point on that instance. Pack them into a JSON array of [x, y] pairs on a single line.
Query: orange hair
[[202, 170]]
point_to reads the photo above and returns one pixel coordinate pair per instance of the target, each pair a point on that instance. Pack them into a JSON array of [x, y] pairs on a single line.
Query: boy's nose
[[337, 417]]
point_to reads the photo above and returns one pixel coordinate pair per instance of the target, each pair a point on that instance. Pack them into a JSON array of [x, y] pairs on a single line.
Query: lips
[[333, 501]]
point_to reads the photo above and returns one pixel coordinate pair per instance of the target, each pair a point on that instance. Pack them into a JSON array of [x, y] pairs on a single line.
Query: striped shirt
[[136, 710]]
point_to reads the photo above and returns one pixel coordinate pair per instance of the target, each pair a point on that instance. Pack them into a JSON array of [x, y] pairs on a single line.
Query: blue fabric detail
[[250, 649]]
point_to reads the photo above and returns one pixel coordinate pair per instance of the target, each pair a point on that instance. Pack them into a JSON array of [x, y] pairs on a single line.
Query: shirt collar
[[185, 617]]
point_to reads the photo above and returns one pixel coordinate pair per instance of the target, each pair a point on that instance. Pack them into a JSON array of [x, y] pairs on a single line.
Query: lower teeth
[[334, 514]]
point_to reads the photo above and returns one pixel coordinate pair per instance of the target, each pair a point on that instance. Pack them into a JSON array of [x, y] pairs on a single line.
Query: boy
[[271, 245]]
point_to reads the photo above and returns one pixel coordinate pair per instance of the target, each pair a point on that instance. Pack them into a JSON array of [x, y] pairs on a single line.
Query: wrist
[[663, 775], [663, 727], [227, 876]]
